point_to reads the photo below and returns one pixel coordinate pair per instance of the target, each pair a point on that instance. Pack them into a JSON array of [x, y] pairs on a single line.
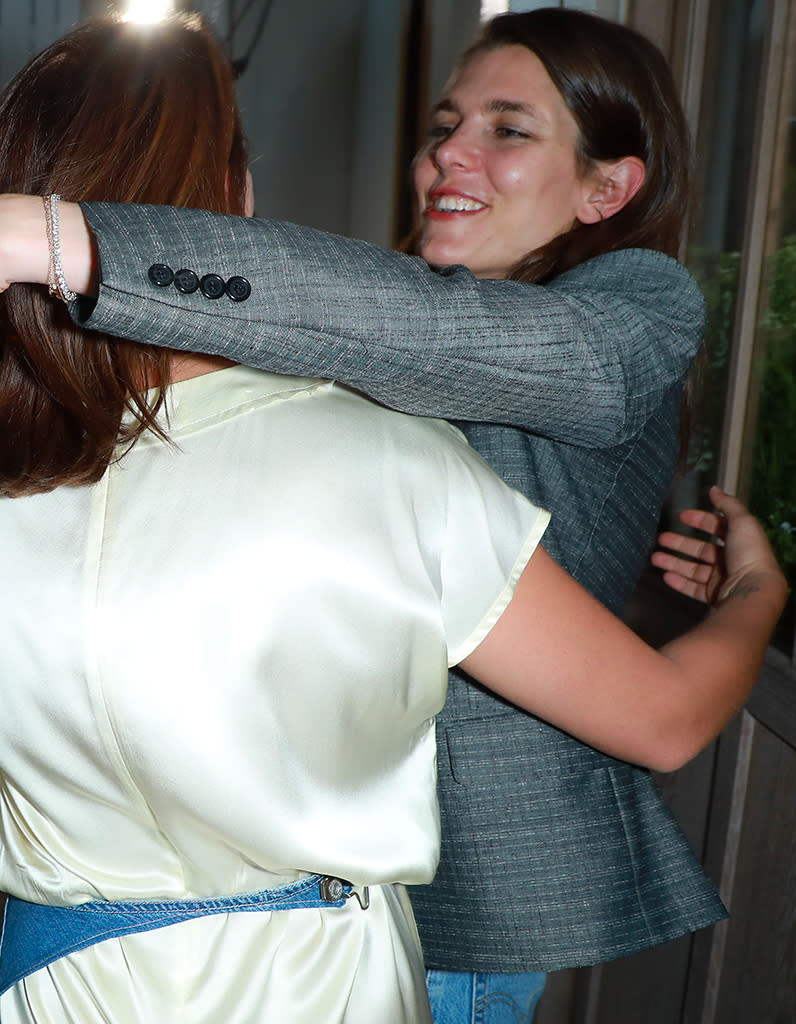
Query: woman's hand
[[735, 556]]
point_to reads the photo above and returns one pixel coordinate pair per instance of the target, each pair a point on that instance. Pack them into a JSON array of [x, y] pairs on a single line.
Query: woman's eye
[[507, 132], [440, 130]]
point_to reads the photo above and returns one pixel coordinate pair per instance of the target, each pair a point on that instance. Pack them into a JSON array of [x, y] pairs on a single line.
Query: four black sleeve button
[[161, 274], [186, 281], [238, 289], [212, 285]]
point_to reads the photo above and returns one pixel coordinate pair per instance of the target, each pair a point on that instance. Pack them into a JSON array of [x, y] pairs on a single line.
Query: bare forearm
[[558, 653], [720, 661]]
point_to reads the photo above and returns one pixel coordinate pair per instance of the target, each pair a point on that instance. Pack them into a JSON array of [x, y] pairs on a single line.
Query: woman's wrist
[[23, 240], [77, 250], [768, 582], [24, 249]]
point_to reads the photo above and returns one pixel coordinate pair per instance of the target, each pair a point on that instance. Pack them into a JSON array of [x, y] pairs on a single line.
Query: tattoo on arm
[[743, 590]]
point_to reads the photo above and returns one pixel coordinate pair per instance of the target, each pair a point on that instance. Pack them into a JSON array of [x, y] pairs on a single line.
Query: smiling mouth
[[454, 204]]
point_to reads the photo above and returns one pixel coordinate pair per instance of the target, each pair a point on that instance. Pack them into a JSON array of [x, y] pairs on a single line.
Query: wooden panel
[[773, 702], [648, 987], [558, 999], [756, 973], [745, 970]]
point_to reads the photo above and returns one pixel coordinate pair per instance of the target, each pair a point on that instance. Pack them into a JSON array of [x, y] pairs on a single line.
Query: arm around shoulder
[[612, 335], [442, 344]]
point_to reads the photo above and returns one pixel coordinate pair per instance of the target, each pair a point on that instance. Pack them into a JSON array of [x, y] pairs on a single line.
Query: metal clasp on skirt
[[334, 889]]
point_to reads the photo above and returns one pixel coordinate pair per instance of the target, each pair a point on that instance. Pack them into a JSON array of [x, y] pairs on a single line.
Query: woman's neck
[[193, 364]]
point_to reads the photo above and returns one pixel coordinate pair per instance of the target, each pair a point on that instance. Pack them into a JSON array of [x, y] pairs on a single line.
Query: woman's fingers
[[693, 565], [698, 571], [701, 519], [690, 547]]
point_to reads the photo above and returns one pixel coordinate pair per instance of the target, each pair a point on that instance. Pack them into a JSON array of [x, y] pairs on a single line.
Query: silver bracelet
[[55, 275]]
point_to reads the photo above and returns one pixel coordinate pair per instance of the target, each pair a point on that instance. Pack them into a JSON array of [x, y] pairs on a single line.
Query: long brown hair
[[124, 113], [619, 89]]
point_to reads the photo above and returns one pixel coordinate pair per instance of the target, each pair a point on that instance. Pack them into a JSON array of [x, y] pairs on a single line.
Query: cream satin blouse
[[221, 666]]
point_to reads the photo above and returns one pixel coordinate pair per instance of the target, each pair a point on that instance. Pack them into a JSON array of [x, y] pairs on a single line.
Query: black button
[[212, 286], [238, 289], [186, 281], [161, 274]]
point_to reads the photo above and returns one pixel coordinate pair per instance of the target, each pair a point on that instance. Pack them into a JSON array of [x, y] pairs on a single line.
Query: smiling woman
[[500, 174]]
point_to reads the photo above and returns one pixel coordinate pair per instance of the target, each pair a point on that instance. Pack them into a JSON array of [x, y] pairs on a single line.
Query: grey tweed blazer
[[553, 854]]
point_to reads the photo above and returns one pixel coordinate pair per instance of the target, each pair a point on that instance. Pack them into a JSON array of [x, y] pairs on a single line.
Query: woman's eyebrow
[[494, 106], [444, 106], [501, 106]]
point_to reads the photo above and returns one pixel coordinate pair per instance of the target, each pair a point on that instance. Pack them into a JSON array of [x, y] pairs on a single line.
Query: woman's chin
[[444, 255]]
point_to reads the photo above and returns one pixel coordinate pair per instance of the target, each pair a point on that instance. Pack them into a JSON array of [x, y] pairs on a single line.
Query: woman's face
[[497, 177]]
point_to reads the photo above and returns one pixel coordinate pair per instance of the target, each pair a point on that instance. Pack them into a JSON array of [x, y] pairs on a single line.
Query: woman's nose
[[458, 149]]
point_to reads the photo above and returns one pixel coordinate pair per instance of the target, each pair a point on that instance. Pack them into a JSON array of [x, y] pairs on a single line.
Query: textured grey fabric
[[553, 855]]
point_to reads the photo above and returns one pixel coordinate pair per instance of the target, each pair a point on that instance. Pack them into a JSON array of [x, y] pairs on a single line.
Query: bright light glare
[[489, 8], [148, 12]]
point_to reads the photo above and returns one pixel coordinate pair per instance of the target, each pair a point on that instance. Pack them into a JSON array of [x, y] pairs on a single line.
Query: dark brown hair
[[125, 113], [619, 89]]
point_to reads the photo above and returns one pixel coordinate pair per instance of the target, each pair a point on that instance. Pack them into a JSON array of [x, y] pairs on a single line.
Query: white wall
[[300, 101], [321, 101]]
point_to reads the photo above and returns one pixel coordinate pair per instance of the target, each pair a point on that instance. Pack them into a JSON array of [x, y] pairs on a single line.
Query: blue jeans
[[461, 998]]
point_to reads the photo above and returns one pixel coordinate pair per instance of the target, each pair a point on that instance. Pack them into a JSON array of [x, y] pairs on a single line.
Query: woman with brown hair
[[141, 152], [218, 755]]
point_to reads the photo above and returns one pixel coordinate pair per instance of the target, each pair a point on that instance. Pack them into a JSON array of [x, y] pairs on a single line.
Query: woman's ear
[[611, 187]]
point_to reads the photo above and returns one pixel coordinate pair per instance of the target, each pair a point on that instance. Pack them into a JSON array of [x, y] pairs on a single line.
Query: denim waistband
[[34, 935]]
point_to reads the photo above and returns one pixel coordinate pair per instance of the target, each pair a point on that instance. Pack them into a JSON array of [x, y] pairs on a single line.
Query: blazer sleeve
[[584, 360]]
